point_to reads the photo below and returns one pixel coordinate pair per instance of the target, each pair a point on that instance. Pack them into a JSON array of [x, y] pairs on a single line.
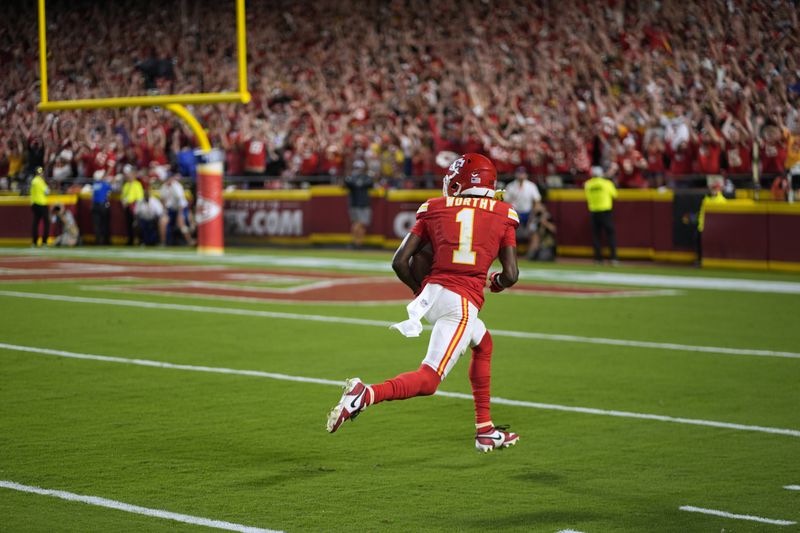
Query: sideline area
[[666, 278]]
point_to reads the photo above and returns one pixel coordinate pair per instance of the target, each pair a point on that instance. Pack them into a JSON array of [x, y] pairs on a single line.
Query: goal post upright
[[210, 167], [42, 52]]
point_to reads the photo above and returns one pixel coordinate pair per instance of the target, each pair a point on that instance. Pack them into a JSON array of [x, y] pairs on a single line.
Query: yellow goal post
[[173, 102]]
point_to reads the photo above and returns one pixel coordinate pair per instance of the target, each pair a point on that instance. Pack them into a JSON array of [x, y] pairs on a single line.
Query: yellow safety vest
[[716, 199], [600, 194], [39, 191], [132, 192]]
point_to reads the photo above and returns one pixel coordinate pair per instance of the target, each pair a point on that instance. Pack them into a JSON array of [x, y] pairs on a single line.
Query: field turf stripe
[[457, 395], [385, 324], [725, 514], [679, 280], [136, 509]]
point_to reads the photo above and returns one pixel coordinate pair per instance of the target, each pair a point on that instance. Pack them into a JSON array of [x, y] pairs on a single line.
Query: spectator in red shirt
[[738, 148], [773, 150], [709, 150], [629, 166], [680, 159]]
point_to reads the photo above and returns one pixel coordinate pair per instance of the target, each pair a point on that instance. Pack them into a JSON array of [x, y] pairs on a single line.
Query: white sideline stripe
[[457, 395], [128, 508], [386, 324], [659, 280], [642, 293], [569, 531], [645, 344], [792, 487], [578, 276], [693, 509]]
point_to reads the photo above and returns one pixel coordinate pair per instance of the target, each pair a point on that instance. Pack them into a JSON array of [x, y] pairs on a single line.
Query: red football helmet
[[472, 174]]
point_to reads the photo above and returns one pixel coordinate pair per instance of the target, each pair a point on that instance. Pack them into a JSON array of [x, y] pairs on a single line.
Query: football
[[421, 263]]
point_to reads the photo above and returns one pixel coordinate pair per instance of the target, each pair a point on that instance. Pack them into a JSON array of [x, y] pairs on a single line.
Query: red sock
[[480, 370], [423, 382]]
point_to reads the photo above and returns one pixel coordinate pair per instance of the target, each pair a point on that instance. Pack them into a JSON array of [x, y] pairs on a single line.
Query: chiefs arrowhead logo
[[455, 167], [206, 210]]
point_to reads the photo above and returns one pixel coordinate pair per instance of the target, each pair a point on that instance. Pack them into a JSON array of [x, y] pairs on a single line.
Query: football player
[[467, 229]]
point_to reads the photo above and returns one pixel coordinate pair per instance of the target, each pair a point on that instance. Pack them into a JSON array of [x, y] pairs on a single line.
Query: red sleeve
[[509, 237], [420, 229]]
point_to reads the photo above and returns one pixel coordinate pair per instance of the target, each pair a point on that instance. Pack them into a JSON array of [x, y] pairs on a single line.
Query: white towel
[[417, 309]]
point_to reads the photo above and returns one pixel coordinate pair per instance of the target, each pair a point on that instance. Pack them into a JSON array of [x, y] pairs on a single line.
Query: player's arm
[[499, 281], [401, 260]]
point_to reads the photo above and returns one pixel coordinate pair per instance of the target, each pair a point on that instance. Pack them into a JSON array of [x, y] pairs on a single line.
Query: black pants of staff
[[130, 224], [40, 212], [698, 243], [603, 222], [101, 217]]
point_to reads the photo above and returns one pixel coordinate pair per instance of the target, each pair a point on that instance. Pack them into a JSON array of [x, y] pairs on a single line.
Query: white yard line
[[164, 289], [664, 281], [457, 395], [643, 344], [723, 514], [600, 277], [91, 268], [649, 293], [128, 508], [792, 487], [385, 324]]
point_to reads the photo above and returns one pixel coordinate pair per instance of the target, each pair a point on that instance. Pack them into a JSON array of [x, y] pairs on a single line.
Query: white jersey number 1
[[464, 255]]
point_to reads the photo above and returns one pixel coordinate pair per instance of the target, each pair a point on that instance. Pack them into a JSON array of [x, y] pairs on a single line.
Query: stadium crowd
[[650, 91]]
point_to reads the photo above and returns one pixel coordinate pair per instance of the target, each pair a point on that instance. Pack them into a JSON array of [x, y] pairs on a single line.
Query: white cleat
[[497, 438], [352, 402]]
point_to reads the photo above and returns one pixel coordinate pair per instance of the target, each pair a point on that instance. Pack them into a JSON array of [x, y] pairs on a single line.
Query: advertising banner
[[263, 216]]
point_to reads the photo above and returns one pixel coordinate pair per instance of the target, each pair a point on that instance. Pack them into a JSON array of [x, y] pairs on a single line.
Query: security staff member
[[600, 194], [39, 192], [715, 197], [132, 192], [101, 209]]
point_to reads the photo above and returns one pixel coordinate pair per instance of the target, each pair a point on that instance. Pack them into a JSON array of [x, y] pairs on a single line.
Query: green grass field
[[252, 449]]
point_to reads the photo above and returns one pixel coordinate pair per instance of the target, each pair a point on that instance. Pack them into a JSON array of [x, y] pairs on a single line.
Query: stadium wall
[[739, 234], [749, 235]]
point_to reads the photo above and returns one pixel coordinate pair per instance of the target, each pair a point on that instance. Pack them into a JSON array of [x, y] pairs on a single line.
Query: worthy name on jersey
[[479, 203]]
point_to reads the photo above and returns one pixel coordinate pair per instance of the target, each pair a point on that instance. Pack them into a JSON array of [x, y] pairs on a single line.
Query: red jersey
[[655, 159], [680, 160], [630, 175], [466, 235], [708, 158], [773, 156], [255, 159], [739, 158]]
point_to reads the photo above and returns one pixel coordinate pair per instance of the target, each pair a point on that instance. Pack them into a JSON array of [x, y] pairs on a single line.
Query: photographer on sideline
[[359, 182], [70, 234], [151, 219], [542, 245]]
